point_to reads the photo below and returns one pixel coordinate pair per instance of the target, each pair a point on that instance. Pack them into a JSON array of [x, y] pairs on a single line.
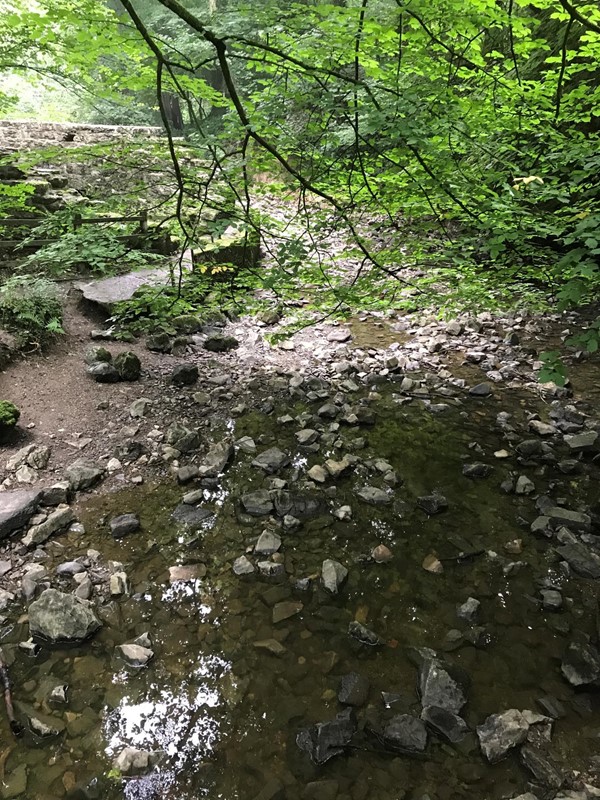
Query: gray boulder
[[445, 724], [128, 366], [123, 524], [374, 496], [257, 503], [58, 617], [103, 372], [58, 520], [333, 575], [406, 734], [216, 460], [83, 474], [581, 664], [219, 343], [442, 685], [271, 460], [16, 507], [184, 375], [325, 740], [500, 733]]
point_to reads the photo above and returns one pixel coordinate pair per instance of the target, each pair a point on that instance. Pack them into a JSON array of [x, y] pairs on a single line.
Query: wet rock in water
[[187, 473], [581, 664], [364, 635], [184, 375], [193, 517], [103, 372], [542, 769], [574, 520], [481, 390], [267, 543], [500, 733], [432, 503], [583, 442], [551, 599], [306, 436], [118, 584], [124, 524], [286, 609], [83, 474], [374, 496], [243, 566], [58, 617], [220, 343], [524, 485], [354, 689], [128, 366], [406, 734], [271, 646], [132, 761], [444, 723], [318, 474], [333, 575], [303, 506], [135, 655], [381, 554], [257, 503], [541, 428], [58, 520], [441, 685], [159, 343], [271, 569], [469, 610], [477, 470], [581, 559], [325, 740], [271, 460], [216, 460], [16, 508], [431, 563], [321, 790], [186, 573]]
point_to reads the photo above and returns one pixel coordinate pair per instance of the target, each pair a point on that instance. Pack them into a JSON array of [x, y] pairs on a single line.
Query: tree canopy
[[465, 133]]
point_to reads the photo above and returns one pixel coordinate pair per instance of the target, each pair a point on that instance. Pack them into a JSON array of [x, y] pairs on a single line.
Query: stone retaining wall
[[16, 135]]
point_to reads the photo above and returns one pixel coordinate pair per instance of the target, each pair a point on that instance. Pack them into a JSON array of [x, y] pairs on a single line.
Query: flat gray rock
[[105, 293], [16, 507], [58, 617]]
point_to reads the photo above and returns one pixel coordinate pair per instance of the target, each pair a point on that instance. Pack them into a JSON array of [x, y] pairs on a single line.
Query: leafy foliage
[[9, 415], [30, 308]]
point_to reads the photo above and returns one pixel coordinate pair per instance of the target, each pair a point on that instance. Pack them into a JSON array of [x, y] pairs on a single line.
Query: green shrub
[[9, 415], [30, 308]]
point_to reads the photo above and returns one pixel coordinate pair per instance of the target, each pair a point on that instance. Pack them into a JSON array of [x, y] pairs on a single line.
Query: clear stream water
[[226, 714]]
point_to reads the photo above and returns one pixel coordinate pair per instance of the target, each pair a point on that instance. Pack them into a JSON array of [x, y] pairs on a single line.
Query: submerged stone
[[271, 460], [58, 617], [500, 733], [374, 496], [333, 575], [364, 635], [325, 740], [445, 723], [581, 664], [257, 503], [442, 685], [405, 733], [354, 689]]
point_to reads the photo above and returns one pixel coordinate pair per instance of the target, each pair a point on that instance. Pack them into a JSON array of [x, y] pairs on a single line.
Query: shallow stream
[[225, 713]]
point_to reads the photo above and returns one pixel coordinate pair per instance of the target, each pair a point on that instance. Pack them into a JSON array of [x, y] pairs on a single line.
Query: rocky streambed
[[367, 584]]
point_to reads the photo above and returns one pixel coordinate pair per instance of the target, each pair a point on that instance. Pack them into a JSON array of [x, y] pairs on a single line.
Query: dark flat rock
[[16, 507]]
